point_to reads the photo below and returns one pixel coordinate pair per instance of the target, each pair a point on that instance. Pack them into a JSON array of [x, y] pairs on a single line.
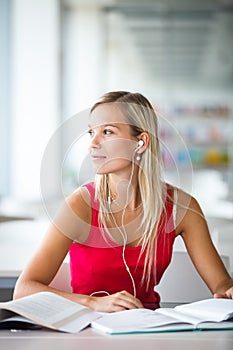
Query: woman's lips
[[97, 157]]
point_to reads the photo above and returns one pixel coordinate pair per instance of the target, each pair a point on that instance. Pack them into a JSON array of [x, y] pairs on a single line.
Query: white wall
[[35, 91], [83, 58], [4, 95]]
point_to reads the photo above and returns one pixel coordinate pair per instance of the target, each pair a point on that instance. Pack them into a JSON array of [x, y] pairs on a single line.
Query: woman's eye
[[90, 132], [108, 132], [105, 132]]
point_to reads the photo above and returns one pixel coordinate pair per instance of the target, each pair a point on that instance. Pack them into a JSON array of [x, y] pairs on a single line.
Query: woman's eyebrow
[[104, 126]]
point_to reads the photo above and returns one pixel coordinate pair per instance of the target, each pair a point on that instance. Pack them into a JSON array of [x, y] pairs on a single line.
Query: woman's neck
[[124, 193]]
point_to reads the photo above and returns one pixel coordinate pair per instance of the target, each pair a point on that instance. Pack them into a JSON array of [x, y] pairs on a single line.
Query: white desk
[[90, 339]]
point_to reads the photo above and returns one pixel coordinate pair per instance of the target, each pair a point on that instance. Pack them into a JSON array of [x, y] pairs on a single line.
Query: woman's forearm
[[24, 288]]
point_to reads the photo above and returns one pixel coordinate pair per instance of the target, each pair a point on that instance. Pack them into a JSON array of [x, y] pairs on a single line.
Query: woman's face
[[112, 146]]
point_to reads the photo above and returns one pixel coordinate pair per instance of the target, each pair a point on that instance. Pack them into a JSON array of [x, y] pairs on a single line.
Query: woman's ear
[[145, 138]]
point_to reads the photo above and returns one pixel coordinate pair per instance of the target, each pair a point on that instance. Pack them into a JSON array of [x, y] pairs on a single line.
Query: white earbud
[[140, 144]]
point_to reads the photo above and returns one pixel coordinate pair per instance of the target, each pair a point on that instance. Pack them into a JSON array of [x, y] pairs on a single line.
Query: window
[[4, 97]]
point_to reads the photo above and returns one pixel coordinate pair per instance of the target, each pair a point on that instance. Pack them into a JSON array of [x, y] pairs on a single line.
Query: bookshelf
[[198, 137], [205, 132]]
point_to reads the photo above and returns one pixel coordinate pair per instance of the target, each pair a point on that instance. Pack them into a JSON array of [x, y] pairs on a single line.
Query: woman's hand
[[227, 295], [115, 302]]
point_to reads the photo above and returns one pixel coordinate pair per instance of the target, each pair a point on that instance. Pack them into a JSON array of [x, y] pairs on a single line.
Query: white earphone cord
[[124, 234]]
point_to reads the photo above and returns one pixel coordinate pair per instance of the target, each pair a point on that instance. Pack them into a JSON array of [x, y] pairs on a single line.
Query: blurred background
[[58, 56]]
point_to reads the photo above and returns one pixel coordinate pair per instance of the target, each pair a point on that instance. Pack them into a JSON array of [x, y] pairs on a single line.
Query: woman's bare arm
[[193, 228], [45, 263], [72, 222]]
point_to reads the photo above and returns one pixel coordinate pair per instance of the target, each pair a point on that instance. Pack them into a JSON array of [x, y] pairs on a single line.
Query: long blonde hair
[[141, 117]]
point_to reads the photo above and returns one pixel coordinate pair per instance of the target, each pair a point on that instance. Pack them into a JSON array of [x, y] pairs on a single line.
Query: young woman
[[120, 229]]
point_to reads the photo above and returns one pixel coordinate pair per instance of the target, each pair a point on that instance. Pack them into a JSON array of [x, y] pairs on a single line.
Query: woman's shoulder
[[183, 197], [186, 199], [80, 201], [188, 210], [83, 192], [186, 204]]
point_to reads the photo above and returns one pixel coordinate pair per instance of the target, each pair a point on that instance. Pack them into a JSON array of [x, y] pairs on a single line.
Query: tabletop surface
[[92, 339]]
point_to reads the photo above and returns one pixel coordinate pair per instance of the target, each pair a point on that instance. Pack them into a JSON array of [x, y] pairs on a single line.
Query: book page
[[49, 309], [215, 310], [133, 320], [147, 321], [182, 317]]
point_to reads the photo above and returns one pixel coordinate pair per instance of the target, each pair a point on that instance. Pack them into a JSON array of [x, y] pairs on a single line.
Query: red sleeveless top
[[97, 264]]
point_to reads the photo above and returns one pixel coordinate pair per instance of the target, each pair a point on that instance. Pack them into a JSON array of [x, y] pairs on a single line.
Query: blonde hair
[[140, 115]]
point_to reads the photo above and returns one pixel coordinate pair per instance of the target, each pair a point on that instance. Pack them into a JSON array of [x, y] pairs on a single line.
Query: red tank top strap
[[169, 211], [95, 205]]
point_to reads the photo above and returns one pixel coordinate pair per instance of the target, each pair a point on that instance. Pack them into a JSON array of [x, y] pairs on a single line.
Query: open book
[[53, 311], [209, 314], [47, 310]]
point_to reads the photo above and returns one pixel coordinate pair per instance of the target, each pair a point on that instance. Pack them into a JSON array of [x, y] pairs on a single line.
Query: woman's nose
[[95, 142]]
